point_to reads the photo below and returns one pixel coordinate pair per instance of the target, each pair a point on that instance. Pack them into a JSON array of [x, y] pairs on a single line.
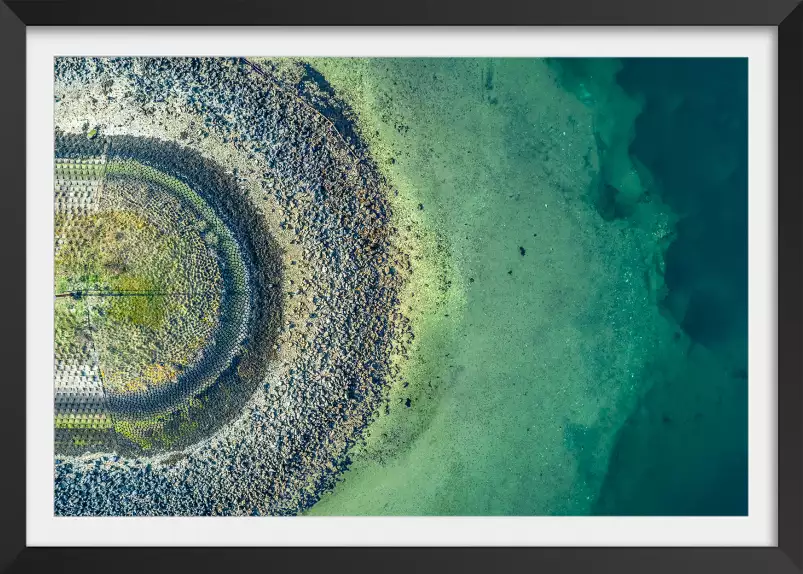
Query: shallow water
[[564, 361]]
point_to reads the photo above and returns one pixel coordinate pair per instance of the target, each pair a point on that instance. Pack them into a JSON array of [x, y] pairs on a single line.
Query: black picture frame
[[15, 15]]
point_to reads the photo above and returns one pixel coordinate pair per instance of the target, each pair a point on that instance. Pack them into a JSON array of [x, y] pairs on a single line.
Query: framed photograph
[[477, 288]]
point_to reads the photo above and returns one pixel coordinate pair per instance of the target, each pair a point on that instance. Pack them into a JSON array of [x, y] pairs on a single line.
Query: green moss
[[215, 230], [137, 431], [145, 280], [93, 421], [143, 311], [137, 273], [160, 431]]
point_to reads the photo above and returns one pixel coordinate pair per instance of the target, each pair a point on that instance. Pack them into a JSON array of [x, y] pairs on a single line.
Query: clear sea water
[[578, 230]]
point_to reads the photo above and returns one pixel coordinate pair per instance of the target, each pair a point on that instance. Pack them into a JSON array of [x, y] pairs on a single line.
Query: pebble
[[300, 423]]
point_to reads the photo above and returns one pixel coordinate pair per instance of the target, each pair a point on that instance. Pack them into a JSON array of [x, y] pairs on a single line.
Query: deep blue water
[[684, 451]]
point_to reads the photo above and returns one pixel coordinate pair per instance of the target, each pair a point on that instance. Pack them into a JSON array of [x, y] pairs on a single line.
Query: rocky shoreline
[[327, 366]]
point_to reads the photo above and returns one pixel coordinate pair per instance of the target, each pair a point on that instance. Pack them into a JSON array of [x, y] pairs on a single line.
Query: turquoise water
[[578, 237], [684, 451]]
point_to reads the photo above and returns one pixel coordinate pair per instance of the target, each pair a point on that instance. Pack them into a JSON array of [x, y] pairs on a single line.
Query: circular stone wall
[[286, 382], [171, 293]]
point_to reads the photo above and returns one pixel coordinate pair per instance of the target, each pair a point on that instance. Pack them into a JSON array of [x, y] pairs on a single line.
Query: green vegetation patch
[[141, 279]]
